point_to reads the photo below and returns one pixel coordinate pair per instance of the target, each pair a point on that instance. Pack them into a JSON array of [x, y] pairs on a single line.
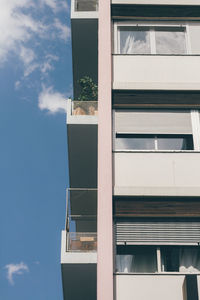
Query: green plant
[[88, 89]]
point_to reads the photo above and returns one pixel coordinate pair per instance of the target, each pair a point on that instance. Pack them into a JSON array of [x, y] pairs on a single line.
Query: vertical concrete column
[[105, 218]]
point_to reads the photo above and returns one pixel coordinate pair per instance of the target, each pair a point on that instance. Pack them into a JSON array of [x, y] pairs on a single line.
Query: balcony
[[84, 31], [156, 72], [156, 173], [82, 112], [79, 242], [85, 5], [82, 143], [162, 286], [81, 220], [84, 8], [78, 267]]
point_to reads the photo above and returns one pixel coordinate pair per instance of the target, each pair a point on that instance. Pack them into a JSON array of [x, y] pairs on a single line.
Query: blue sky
[[35, 80]]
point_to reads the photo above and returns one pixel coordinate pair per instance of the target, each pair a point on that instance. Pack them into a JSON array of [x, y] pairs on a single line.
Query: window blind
[[157, 233], [152, 122]]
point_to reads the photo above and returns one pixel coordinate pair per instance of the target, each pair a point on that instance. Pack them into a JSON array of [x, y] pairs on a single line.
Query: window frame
[[152, 25], [195, 123], [160, 262], [155, 139]]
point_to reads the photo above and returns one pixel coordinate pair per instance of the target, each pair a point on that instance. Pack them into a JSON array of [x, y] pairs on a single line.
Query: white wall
[[144, 287], [156, 72], [157, 173], [194, 33], [198, 284], [82, 14]]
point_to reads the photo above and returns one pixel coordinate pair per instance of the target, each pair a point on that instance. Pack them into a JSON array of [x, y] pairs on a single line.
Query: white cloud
[[17, 84], [15, 269], [27, 55], [52, 101], [18, 27], [63, 30], [55, 5], [50, 3], [47, 65], [30, 69], [26, 29]]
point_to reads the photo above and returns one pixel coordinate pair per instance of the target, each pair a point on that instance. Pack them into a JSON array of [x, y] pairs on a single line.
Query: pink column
[[105, 218]]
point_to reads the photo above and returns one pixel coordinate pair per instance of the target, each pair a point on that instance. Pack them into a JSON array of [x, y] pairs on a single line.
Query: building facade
[[133, 205]]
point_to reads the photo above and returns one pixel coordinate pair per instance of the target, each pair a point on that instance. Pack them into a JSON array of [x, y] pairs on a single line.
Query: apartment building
[[133, 223]]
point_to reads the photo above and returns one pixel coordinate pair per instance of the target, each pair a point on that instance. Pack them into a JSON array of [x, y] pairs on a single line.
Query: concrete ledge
[[157, 191], [76, 257]]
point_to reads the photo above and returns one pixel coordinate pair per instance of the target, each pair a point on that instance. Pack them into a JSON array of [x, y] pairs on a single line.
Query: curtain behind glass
[[189, 260], [124, 263], [134, 40], [138, 263]]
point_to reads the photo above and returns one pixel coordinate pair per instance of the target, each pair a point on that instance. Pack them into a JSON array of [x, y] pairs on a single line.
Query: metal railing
[[84, 108], [86, 5], [81, 204], [81, 241], [81, 220]]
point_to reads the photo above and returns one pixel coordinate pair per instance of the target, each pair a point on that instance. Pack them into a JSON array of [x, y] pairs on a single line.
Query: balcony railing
[[86, 5], [81, 241], [81, 220], [85, 108], [82, 112]]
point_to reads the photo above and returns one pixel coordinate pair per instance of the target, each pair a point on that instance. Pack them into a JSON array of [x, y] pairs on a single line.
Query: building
[[146, 56]]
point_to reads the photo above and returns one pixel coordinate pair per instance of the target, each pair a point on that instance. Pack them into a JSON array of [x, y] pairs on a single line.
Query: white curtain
[[189, 260], [134, 41], [128, 47], [136, 263], [124, 263]]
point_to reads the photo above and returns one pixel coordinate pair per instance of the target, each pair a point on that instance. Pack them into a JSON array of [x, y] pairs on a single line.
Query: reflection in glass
[[180, 259], [172, 143], [153, 142], [128, 142], [136, 259], [189, 259], [134, 40], [143, 259], [170, 41]]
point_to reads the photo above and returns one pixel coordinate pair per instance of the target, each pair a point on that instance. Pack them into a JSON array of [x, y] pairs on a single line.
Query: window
[[153, 142], [156, 130], [135, 259], [151, 40], [151, 259]]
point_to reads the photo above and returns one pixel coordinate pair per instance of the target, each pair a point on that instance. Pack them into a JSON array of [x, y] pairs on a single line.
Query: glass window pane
[[136, 259], [134, 40], [170, 41], [170, 259], [189, 259], [125, 142], [174, 143], [180, 259]]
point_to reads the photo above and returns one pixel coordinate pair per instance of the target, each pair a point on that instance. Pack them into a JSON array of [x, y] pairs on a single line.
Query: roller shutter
[[159, 233], [152, 122]]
